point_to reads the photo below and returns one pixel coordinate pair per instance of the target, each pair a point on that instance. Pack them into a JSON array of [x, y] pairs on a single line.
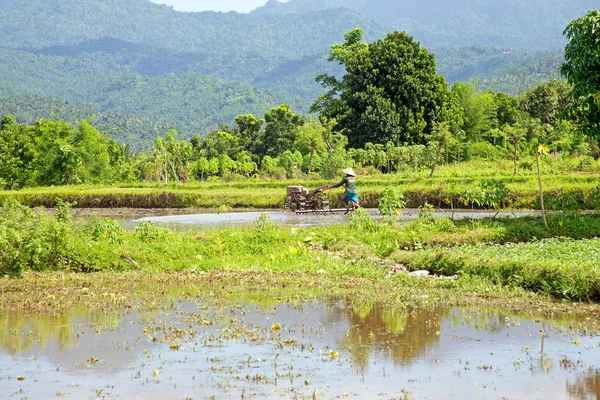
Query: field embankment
[[451, 187]]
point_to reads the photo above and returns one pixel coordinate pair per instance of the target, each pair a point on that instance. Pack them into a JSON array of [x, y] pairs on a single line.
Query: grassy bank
[[448, 188], [563, 268], [512, 253]]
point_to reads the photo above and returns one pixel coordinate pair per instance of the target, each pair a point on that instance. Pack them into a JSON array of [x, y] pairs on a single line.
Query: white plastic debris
[[419, 273]]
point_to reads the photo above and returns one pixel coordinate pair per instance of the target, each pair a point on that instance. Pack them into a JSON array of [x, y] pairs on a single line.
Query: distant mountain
[[35, 24], [509, 71], [141, 68], [526, 24]]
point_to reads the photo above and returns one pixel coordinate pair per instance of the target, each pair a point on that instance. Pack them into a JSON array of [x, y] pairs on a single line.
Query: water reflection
[[585, 387], [399, 334], [20, 333], [259, 347]]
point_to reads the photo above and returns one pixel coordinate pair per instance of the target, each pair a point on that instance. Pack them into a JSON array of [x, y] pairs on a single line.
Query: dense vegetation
[[146, 69], [389, 111], [414, 140], [398, 122]]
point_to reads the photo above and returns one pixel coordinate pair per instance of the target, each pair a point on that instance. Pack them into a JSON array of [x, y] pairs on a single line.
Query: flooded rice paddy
[[198, 222], [330, 349]]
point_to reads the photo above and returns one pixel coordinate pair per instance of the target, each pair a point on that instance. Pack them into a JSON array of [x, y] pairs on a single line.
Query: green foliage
[[17, 153], [31, 241], [263, 222], [582, 70], [479, 109], [139, 69], [281, 130], [108, 230], [427, 222], [562, 268], [489, 193], [63, 211], [391, 202], [573, 201], [361, 220], [66, 156], [390, 92], [546, 102], [146, 231]]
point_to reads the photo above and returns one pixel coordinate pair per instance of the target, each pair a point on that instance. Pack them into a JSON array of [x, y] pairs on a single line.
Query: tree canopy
[[582, 70], [391, 90]]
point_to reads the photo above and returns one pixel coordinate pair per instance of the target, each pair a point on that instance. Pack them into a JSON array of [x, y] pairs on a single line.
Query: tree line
[[390, 110]]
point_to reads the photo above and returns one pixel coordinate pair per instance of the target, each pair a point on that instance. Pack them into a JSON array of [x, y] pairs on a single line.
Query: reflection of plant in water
[[494, 320], [362, 309], [372, 325], [586, 386], [489, 321], [394, 320], [18, 333]]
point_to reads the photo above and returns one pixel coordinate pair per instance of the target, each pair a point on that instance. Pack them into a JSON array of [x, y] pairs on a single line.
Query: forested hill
[[188, 71], [43, 23], [528, 24], [142, 68]]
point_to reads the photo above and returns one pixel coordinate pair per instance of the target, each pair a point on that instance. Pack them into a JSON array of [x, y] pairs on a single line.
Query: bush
[[361, 220], [33, 241], [485, 151], [147, 231], [391, 202], [108, 229]]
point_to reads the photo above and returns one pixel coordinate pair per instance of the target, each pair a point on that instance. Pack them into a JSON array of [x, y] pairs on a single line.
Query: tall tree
[[479, 109], [281, 130], [17, 153], [249, 133], [69, 156], [547, 101], [582, 70], [310, 140], [390, 92]]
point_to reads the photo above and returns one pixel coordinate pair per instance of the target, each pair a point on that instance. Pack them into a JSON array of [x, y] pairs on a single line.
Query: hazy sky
[[214, 5]]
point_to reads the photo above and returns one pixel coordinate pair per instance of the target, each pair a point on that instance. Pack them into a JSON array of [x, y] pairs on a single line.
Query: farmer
[[350, 195]]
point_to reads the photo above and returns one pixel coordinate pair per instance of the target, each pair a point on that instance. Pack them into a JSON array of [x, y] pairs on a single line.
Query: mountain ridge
[[530, 24]]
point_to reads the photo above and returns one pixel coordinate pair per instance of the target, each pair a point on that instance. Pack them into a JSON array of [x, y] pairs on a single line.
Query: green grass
[[563, 268], [516, 253]]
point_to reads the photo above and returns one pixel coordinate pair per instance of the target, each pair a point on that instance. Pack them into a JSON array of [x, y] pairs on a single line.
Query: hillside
[[142, 68], [192, 103], [37, 24], [526, 24]]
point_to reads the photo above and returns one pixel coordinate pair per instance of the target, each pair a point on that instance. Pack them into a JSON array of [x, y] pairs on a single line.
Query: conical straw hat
[[349, 171]]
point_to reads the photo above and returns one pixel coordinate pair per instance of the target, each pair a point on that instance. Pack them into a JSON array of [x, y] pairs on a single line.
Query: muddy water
[[316, 350], [196, 222]]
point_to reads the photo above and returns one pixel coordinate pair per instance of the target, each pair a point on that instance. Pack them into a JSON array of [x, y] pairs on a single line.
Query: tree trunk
[[174, 171], [437, 157], [310, 160], [537, 161], [515, 158], [166, 172]]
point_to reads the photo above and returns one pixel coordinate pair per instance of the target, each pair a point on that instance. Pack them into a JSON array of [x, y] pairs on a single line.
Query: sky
[[214, 5]]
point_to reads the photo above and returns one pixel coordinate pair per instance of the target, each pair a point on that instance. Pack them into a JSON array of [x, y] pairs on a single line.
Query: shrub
[[391, 202], [33, 241], [147, 231], [361, 220], [110, 230]]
